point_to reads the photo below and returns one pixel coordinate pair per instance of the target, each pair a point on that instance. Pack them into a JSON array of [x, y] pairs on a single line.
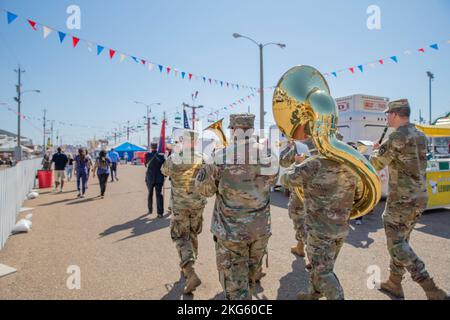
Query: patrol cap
[[153, 145], [397, 104], [242, 120]]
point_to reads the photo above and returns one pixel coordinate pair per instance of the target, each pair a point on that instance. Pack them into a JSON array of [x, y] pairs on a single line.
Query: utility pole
[[128, 130], [148, 128], [431, 77], [115, 137], [44, 124], [19, 100], [185, 105], [51, 132]]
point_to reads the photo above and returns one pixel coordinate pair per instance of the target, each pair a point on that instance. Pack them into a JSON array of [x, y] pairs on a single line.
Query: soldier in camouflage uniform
[[405, 154], [296, 208], [240, 177], [330, 189], [187, 205]]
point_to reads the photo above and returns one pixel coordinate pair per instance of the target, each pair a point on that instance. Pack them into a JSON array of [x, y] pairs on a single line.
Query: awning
[[439, 131]]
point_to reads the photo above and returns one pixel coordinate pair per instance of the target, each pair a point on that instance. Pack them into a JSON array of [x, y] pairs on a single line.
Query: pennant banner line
[[47, 31]]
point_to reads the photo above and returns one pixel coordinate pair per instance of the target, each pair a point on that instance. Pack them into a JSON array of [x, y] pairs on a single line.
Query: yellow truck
[[438, 169]]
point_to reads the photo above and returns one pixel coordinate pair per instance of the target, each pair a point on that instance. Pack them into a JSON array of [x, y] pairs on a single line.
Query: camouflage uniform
[[405, 154], [330, 189], [241, 218], [296, 209], [187, 204]]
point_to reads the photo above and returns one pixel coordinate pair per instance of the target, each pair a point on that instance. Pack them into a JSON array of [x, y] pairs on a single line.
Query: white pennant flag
[[90, 46], [408, 52], [47, 31], [150, 66], [122, 57], [372, 65]]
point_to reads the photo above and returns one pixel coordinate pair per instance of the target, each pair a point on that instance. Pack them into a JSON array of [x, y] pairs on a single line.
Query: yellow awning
[[435, 131]]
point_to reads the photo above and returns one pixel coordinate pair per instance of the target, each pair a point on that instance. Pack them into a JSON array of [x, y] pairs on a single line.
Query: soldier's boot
[[193, 281], [259, 276], [299, 249], [432, 291], [308, 296], [393, 286], [195, 246]]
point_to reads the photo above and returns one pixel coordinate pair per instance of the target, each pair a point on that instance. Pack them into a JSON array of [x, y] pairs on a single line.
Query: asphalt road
[[123, 253]]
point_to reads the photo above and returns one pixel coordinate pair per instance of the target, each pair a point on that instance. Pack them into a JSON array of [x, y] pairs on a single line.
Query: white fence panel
[[15, 184]]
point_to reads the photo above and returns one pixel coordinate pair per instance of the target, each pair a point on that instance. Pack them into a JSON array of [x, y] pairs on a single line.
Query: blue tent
[[129, 148]]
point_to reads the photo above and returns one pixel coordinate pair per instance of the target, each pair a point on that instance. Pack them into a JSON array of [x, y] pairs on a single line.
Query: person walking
[[60, 160], [115, 158], [69, 167], [404, 153], [154, 179], [90, 165], [102, 167], [125, 157], [81, 171]]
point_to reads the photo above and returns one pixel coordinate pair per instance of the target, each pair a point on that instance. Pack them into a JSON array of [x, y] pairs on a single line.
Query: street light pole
[[18, 99], [261, 70], [261, 87], [431, 77], [149, 110]]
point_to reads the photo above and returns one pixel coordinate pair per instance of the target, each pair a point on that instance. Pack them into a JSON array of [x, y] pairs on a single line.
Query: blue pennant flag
[[221, 83], [237, 86], [394, 58], [99, 49], [204, 79], [135, 59], [435, 46], [334, 74], [183, 74], [360, 67], [160, 68], [185, 120], [62, 35], [11, 16]]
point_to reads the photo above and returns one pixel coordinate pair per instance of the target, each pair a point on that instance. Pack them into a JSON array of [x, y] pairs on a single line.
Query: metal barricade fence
[[15, 184]]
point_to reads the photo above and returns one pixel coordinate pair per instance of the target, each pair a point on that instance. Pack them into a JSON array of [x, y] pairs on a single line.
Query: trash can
[[45, 178]]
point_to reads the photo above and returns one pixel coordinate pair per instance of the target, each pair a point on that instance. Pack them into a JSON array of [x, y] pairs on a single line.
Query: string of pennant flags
[[99, 49]]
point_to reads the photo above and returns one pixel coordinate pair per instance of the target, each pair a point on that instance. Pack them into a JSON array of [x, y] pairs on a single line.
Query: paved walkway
[[123, 253]]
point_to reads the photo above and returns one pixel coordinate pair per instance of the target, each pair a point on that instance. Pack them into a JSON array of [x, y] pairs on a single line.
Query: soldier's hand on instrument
[[291, 143], [376, 145], [299, 158]]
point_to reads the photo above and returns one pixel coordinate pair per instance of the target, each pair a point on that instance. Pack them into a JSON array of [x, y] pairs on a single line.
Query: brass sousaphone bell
[[303, 107], [217, 128]]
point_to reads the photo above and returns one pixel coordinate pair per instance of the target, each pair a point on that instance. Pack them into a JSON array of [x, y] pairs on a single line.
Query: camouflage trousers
[[238, 264], [402, 255], [322, 254], [185, 226], [297, 213]]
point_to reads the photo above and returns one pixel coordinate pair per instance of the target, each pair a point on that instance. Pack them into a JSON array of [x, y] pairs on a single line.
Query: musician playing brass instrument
[[330, 180], [187, 204]]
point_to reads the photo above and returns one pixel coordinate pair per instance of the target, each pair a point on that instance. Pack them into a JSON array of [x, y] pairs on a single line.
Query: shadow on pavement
[[294, 281], [435, 222], [139, 226], [80, 201], [359, 234], [278, 199], [175, 291], [55, 202]]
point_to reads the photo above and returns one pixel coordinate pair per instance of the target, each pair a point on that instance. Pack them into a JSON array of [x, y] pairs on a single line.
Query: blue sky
[[195, 36]]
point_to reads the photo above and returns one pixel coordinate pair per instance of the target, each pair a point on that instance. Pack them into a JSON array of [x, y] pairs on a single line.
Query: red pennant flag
[[143, 61], [381, 61], [111, 53], [352, 70], [32, 24], [190, 76], [75, 41], [421, 50], [168, 70]]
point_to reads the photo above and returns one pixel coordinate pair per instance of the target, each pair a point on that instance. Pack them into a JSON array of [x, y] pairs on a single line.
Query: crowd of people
[[66, 166]]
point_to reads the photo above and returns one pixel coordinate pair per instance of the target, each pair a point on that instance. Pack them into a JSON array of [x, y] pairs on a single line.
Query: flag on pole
[[186, 120], [162, 138]]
